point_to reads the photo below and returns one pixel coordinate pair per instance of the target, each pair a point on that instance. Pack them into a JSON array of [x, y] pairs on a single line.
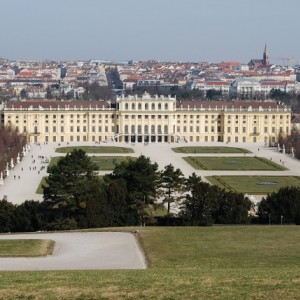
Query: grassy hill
[[228, 262]]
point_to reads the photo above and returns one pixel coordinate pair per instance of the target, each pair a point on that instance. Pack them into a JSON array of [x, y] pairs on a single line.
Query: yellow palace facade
[[148, 119]]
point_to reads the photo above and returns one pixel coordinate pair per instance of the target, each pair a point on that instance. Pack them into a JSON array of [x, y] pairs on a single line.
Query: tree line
[[11, 144], [290, 141], [75, 197]]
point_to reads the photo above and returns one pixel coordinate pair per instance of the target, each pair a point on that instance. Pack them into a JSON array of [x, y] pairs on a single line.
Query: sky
[[163, 30]]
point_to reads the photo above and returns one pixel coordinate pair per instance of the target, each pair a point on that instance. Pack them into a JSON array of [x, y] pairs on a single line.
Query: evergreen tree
[[171, 184], [7, 211], [28, 216], [200, 201], [285, 205], [233, 208], [141, 178], [68, 187], [206, 204]]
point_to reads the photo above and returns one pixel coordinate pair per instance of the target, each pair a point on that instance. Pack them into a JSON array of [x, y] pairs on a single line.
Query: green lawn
[[103, 163], [230, 262], [233, 163], [210, 149], [259, 185], [39, 190], [96, 149], [26, 248]]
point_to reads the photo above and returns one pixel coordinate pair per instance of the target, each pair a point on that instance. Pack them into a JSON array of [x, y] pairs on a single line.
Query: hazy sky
[[165, 30]]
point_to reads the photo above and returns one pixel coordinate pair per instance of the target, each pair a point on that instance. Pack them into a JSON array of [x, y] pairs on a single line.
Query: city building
[[148, 119]]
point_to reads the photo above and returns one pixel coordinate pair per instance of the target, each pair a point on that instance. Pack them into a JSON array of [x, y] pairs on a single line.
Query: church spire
[[266, 56]]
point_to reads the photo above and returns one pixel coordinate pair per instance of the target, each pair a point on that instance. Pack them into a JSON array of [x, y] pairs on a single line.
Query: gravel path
[[80, 251]]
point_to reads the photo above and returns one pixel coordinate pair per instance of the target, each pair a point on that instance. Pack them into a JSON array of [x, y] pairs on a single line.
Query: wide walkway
[[24, 179], [80, 251]]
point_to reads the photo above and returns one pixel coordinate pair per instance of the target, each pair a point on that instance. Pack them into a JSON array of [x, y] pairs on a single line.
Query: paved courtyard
[[24, 179], [80, 251]]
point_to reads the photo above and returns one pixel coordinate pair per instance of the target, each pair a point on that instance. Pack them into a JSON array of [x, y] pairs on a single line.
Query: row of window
[[79, 129], [154, 129], [191, 139], [146, 106], [107, 116]]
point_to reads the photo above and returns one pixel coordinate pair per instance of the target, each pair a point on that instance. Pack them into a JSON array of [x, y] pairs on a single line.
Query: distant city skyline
[[163, 30]]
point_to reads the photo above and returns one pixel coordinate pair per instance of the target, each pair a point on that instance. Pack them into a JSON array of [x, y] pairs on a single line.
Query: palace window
[[152, 129]]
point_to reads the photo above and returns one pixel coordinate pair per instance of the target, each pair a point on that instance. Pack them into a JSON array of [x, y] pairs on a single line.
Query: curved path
[[80, 251]]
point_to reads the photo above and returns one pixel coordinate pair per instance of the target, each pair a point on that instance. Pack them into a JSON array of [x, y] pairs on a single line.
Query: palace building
[[148, 119]]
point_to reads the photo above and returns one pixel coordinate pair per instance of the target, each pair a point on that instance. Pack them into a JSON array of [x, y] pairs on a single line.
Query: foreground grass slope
[[258, 262]]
